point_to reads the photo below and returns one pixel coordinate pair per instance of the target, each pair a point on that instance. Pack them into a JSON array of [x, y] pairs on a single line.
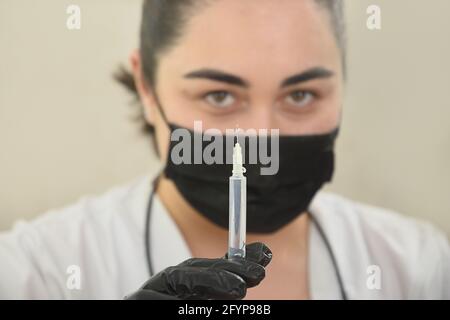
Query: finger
[[204, 283], [259, 253], [251, 272]]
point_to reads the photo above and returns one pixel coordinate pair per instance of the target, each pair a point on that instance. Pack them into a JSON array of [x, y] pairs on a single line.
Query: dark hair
[[162, 24]]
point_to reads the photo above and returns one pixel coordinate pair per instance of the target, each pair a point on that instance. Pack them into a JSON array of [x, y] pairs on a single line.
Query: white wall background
[[66, 128]]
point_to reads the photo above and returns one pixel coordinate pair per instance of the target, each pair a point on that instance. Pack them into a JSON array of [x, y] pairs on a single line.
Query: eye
[[220, 99], [300, 99]]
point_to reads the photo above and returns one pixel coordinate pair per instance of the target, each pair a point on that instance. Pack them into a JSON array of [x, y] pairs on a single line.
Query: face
[[250, 64]]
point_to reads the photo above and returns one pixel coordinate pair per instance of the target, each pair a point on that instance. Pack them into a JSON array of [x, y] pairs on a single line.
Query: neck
[[207, 240]]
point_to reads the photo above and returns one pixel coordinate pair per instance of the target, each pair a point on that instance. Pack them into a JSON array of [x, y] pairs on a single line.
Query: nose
[[261, 117]]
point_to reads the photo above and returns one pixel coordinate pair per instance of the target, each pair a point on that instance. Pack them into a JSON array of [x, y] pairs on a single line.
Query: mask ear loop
[[160, 109], [166, 121]]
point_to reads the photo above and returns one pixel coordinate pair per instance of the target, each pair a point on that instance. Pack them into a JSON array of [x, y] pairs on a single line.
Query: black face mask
[[305, 164]]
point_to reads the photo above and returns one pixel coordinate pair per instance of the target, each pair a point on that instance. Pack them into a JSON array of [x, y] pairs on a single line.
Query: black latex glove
[[198, 278]]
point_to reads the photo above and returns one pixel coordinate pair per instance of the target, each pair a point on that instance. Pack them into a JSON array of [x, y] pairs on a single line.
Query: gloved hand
[[198, 278]]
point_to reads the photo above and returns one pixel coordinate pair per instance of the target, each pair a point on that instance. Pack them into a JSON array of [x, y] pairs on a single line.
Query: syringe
[[238, 206]]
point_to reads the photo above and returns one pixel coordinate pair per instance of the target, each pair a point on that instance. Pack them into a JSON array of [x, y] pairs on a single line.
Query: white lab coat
[[103, 237]]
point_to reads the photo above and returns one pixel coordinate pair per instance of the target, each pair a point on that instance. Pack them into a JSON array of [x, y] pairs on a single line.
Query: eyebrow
[[220, 76]]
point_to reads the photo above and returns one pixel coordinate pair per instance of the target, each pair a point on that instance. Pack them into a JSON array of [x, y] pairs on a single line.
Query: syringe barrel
[[238, 216]]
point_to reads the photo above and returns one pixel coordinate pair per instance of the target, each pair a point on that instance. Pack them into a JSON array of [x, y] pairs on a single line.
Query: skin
[[263, 43]]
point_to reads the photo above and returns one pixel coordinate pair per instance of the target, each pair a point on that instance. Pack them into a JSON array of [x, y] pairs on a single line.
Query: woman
[[253, 64]]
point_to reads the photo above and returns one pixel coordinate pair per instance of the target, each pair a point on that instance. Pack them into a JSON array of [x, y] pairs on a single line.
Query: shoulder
[[121, 207], [100, 234], [119, 202], [411, 254], [384, 224]]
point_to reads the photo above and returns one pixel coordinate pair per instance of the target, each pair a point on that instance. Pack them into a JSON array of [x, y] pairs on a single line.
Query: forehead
[[249, 35]]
